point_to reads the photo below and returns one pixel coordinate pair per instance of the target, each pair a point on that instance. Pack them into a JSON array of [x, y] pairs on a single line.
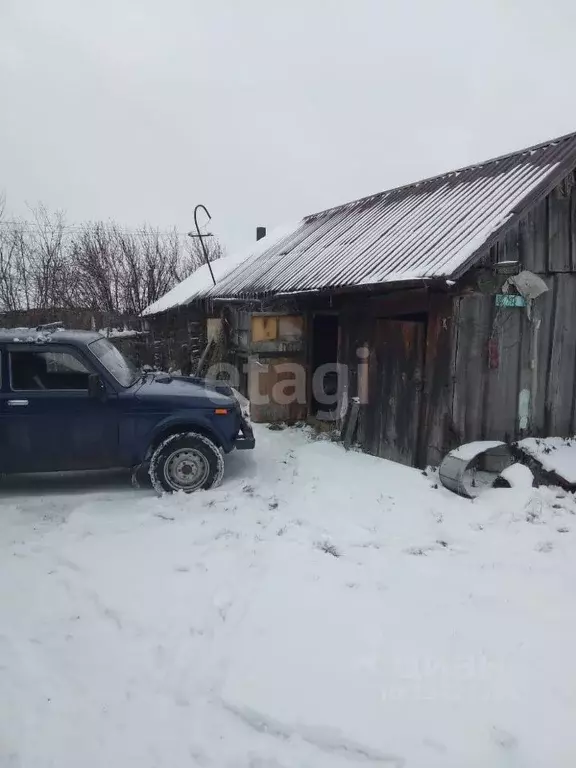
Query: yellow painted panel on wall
[[264, 328]]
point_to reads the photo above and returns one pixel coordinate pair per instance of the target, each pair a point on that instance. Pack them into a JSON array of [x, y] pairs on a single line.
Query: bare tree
[[95, 267], [16, 289], [194, 255], [150, 262], [45, 264], [8, 250], [33, 262]]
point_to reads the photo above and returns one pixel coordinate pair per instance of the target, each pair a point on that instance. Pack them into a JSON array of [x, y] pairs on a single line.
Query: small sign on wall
[[510, 300]]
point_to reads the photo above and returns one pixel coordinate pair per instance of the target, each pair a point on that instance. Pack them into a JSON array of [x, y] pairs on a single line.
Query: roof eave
[[422, 282]]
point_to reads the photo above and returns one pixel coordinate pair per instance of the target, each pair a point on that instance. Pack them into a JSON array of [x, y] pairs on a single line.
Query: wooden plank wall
[[437, 432], [473, 318], [397, 407], [358, 323], [357, 331], [503, 359]]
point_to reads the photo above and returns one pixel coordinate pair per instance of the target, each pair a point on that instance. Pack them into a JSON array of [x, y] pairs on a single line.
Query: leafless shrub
[[328, 548]]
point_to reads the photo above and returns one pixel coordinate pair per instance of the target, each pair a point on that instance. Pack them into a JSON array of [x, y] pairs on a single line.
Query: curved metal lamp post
[[201, 237]]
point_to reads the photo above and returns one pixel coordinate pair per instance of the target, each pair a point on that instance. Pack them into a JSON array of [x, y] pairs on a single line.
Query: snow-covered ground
[[555, 454], [320, 609]]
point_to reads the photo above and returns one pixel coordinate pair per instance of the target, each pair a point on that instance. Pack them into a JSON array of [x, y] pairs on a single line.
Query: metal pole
[[201, 238]]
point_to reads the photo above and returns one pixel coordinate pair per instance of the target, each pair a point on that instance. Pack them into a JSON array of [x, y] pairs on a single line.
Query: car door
[[2, 386], [48, 419]]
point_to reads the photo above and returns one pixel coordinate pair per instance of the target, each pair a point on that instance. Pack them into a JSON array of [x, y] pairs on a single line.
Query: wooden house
[[447, 307]]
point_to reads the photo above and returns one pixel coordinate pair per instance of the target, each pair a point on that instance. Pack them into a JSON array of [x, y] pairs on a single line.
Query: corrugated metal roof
[[199, 283], [429, 229]]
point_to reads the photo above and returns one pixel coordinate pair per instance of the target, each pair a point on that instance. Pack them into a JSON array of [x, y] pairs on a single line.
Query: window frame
[[35, 349]]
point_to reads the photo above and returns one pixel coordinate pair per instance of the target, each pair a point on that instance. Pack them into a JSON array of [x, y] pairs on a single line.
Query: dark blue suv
[[69, 400]]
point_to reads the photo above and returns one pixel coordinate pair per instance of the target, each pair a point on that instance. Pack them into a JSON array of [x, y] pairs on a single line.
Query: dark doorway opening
[[325, 353]]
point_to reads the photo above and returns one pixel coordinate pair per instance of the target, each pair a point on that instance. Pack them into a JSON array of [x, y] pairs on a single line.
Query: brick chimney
[[260, 233]]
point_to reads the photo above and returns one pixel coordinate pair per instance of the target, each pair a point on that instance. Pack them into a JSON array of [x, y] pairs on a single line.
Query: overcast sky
[[264, 110]]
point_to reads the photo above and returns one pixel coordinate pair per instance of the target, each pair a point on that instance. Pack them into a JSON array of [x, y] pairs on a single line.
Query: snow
[[321, 609], [468, 451], [193, 285], [121, 333], [200, 283], [393, 277], [555, 454], [518, 475]]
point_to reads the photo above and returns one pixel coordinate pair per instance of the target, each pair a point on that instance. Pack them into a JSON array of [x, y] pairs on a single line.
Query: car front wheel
[[186, 462]]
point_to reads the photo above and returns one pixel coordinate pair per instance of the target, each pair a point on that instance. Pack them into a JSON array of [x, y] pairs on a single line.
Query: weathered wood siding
[[515, 372], [357, 328], [277, 374], [399, 370], [178, 338], [546, 236], [427, 413]]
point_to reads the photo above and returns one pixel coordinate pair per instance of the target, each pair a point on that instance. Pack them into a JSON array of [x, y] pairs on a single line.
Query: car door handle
[[17, 403]]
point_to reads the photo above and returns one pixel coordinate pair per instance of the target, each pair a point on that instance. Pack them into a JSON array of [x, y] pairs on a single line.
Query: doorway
[[325, 334]]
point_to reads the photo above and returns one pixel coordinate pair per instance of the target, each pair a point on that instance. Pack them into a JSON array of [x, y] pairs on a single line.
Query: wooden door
[[396, 389]]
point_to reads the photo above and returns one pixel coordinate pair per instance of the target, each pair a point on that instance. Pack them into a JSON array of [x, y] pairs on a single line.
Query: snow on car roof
[[36, 335]]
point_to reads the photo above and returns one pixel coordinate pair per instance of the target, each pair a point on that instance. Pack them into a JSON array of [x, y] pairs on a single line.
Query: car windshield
[[123, 370]]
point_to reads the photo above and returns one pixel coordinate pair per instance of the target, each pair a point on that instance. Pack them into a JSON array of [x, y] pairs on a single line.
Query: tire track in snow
[[326, 739]]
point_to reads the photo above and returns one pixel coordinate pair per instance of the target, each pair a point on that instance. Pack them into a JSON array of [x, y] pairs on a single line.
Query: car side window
[[47, 370]]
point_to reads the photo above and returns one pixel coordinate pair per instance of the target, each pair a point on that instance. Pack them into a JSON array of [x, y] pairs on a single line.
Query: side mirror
[[96, 388]]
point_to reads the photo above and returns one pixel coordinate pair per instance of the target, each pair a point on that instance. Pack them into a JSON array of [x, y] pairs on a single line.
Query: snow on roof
[[192, 286], [198, 285], [430, 229], [469, 451]]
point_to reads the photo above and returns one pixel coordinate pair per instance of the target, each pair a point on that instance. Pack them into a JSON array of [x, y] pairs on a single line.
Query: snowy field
[[320, 609]]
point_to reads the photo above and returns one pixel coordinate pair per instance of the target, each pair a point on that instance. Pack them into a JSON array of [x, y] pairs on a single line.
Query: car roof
[[39, 336]]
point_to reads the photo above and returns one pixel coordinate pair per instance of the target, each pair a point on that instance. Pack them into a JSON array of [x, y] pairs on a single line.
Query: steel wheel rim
[[186, 469]]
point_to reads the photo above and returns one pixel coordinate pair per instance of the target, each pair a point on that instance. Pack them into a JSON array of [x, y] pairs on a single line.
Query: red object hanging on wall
[[493, 353]]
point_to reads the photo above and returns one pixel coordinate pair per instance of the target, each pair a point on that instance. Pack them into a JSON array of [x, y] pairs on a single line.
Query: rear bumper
[[246, 441]]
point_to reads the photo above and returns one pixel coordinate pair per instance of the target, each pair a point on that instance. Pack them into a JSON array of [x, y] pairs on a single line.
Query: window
[[123, 370], [43, 370]]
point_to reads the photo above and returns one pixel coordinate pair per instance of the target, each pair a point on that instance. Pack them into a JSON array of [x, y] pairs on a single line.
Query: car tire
[[186, 462]]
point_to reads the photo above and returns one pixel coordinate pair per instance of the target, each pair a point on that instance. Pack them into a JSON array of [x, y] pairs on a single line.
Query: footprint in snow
[[504, 739]]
